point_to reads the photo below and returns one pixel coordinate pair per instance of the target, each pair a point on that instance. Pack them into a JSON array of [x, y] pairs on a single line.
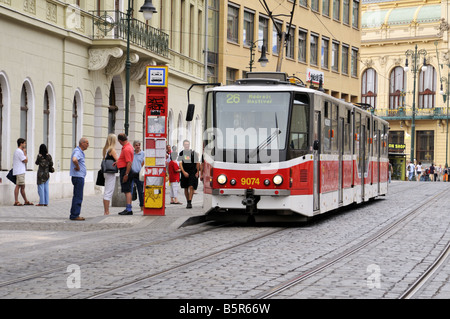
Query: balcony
[[437, 113], [113, 25]]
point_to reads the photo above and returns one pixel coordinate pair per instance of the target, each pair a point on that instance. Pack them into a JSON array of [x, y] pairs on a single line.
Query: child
[[174, 178]]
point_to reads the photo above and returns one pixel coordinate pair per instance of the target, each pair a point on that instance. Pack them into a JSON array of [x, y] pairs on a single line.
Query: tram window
[[334, 129], [326, 128], [347, 132], [298, 138], [375, 138]]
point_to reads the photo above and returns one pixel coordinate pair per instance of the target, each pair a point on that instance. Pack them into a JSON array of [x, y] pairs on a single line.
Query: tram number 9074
[[249, 181]]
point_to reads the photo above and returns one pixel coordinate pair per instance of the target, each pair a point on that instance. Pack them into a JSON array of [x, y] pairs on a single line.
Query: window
[[231, 75], [232, 23], [290, 43], [346, 12], [355, 14], [313, 47], [302, 45], [298, 140], [74, 122], [369, 83], [336, 9], [315, 5], [326, 7], [24, 112], [397, 88], [425, 146], [354, 64], [249, 25], [335, 56], [46, 117], [344, 59], [427, 87], [263, 31], [303, 3], [325, 52], [276, 41], [112, 110]]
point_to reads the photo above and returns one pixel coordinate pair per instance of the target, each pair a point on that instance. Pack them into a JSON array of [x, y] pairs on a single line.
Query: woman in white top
[[109, 151], [419, 171]]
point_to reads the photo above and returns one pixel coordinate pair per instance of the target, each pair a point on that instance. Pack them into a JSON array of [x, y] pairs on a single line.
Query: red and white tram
[[278, 151]]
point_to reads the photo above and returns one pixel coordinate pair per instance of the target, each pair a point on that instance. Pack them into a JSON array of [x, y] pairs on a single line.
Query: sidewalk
[[56, 215]]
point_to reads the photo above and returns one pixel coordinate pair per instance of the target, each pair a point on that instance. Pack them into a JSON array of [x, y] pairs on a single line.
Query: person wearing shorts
[[20, 160], [124, 164], [190, 171]]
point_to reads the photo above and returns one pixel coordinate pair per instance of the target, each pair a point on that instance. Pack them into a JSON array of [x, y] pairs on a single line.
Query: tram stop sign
[[155, 140]]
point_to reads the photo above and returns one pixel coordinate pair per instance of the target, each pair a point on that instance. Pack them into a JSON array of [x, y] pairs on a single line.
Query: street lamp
[[262, 60], [147, 9], [415, 58], [446, 97]]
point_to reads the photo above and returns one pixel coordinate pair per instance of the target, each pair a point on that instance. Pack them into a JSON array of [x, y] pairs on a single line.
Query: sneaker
[[125, 212], [189, 205]]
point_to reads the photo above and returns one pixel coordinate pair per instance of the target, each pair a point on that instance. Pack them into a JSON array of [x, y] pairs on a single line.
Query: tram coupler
[[250, 201]]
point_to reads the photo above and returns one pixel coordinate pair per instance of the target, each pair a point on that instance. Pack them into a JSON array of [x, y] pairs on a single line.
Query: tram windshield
[[252, 120]]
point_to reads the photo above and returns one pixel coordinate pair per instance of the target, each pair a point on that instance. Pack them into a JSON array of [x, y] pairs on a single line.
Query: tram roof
[[273, 85]]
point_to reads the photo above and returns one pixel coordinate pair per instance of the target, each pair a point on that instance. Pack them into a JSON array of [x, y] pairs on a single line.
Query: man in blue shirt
[[78, 173], [138, 160]]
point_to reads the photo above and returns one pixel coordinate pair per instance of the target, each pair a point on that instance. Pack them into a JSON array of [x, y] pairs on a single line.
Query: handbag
[[100, 178], [108, 167], [142, 174], [11, 176]]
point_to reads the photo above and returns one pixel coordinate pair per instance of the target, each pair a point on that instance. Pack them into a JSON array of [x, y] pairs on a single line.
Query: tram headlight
[[277, 180], [221, 179]]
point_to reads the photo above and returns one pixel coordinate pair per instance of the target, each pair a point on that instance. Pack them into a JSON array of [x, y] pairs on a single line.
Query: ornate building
[[62, 76], [391, 32]]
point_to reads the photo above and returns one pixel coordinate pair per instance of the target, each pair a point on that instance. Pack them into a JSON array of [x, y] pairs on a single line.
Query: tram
[[275, 150]]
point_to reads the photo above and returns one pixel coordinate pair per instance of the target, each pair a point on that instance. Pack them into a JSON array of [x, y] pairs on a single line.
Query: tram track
[[278, 289], [104, 256]]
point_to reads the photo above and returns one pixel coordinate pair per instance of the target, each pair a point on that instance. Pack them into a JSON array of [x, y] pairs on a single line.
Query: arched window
[[112, 109], [397, 88], [427, 87], [75, 137], [369, 83], [24, 112], [46, 117]]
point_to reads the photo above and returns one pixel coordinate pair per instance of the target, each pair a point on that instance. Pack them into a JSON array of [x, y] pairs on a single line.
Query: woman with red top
[[174, 178]]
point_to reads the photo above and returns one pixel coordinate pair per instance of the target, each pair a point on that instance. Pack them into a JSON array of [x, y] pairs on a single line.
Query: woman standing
[[45, 163], [109, 152]]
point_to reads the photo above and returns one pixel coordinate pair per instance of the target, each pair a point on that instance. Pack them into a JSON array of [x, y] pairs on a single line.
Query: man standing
[[20, 160], [124, 164], [410, 169], [138, 162], [190, 168], [78, 173]]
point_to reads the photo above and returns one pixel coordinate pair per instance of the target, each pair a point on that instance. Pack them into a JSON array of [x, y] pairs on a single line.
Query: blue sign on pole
[[157, 76]]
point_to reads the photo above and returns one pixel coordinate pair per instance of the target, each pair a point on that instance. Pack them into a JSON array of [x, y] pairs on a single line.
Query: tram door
[[362, 156], [317, 140], [341, 157]]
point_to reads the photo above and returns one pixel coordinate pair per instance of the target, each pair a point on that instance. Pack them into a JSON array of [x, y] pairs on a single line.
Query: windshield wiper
[[268, 140]]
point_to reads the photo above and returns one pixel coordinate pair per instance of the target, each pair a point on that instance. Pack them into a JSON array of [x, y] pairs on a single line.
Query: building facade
[[323, 40], [391, 32], [62, 77]]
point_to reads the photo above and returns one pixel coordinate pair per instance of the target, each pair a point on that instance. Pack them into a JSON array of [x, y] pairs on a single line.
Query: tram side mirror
[[316, 145], [190, 112]]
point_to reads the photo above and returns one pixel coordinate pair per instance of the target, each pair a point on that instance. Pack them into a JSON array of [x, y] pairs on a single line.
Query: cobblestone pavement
[[109, 251]]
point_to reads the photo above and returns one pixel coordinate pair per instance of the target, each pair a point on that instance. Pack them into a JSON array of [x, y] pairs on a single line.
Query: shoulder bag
[[107, 165]]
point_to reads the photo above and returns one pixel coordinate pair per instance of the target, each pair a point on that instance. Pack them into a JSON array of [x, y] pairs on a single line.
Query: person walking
[[190, 169], [45, 163], [174, 179], [433, 172], [109, 152], [419, 171], [124, 164], [138, 162], [78, 173], [410, 170], [20, 160]]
